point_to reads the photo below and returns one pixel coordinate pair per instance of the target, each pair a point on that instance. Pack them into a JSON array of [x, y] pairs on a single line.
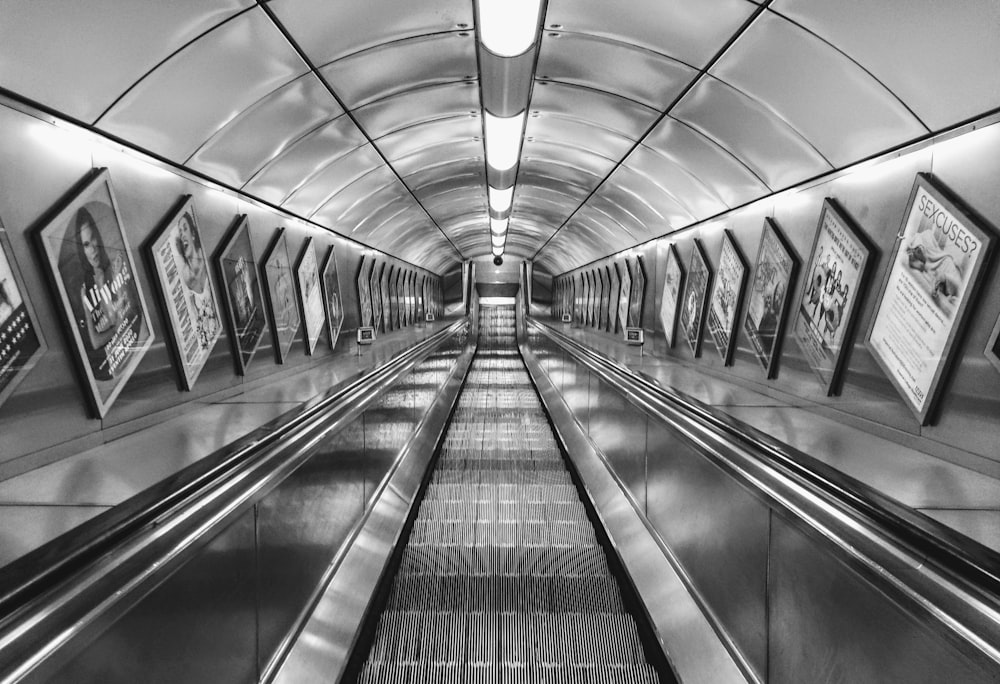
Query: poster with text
[[834, 279], [331, 298], [624, 292], [726, 295], [310, 296], [187, 292], [673, 283], [91, 266], [237, 266], [993, 346], [364, 292], [638, 295], [21, 341], [375, 288], [933, 271], [278, 277], [695, 298], [773, 276]]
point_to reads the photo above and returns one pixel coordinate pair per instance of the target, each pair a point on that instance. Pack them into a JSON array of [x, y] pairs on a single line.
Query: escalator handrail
[[99, 581], [948, 578]]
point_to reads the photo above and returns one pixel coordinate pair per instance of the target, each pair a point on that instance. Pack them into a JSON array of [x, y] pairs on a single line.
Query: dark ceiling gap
[[305, 58], [684, 92]]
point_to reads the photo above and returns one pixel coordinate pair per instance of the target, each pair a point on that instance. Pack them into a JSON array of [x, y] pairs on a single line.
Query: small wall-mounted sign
[[567, 318], [429, 317], [635, 336], [366, 335]]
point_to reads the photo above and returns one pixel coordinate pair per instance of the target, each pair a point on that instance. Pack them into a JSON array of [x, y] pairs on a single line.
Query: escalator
[[503, 577]]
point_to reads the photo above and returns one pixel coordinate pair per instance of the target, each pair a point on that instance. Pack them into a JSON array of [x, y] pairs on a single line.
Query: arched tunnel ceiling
[[645, 116]]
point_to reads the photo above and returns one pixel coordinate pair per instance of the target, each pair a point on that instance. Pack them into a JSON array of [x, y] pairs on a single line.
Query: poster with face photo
[[673, 284], [834, 280], [310, 296], [726, 296], [695, 298], [91, 266], [21, 342], [773, 275], [933, 274], [331, 298], [281, 296], [237, 269], [187, 293]]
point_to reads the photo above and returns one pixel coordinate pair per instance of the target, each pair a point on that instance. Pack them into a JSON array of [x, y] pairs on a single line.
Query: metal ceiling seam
[[614, 41], [166, 59], [422, 122], [378, 46], [263, 4], [545, 140], [695, 178], [593, 89], [758, 11], [722, 148], [858, 64], [433, 145], [333, 195], [671, 196]]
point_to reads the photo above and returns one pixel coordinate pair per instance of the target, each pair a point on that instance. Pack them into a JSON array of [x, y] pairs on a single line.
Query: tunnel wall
[[47, 416], [874, 195]]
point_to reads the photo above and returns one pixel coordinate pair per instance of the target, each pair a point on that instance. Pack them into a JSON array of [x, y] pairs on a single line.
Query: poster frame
[[310, 337], [272, 272], [673, 258], [334, 318], [727, 348], [769, 361], [693, 334], [27, 364], [992, 347]]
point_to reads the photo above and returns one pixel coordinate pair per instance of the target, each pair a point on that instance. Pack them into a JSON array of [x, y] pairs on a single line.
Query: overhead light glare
[[498, 240], [503, 140], [500, 200], [497, 251], [508, 27], [499, 226]]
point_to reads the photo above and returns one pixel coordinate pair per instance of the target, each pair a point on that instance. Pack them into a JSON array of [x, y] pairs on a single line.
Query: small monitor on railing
[[635, 336], [366, 335]]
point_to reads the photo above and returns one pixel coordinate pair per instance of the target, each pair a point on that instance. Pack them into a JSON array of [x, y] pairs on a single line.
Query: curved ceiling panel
[[940, 58], [636, 196], [571, 247], [690, 31], [196, 92], [435, 159], [844, 112], [374, 189], [308, 198], [574, 164], [330, 30], [606, 110], [79, 57], [609, 65], [378, 218], [304, 159], [248, 142], [572, 181], [433, 134], [390, 68], [779, 155], [575, 133], [414, 107], [674, 182]]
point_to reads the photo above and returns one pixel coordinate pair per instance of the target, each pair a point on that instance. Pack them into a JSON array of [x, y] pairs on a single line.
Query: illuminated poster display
[[773, 275], [188, 295], [281, 293], [726, 296], [695, 298], [331, 298], [310, 296], [21, 342], [105, 314], [673, 283], [835, 274], [933, 272]]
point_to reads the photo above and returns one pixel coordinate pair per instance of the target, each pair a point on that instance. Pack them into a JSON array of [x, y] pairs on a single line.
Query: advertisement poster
[[364, 292], [773, 276], [993, 347], [834, 277], [932, 277], [623, 296], [602, 316], [384, 294], [616, 285], [578, 299], [91, 266], [695, 298], [182, 273], [281, 295], [331, 298], [599, 293], [638, 295], [311, 297], [726, 296], [21, 342], [591, 297], [375, 288], [237, 267], [673, 283]]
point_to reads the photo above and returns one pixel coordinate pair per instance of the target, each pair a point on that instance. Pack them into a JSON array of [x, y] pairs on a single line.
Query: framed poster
[[21, 341], [186, 291], [616, 286], [993, 347], [835, 277], [310, 296], [364, 293], [90, 265], [591, 294], [695, 298], [623, 297], [236, 265], [767, 307], [934, 271], [385, 296], [375, 278], [727, 293], [331, 298], [638, 295], [278, 279], [673, 284]]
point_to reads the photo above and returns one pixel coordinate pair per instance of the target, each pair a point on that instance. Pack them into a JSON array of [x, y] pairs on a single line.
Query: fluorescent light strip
[[500, 200], [508, 28], [499, 226], [498, 240], [503, 140]]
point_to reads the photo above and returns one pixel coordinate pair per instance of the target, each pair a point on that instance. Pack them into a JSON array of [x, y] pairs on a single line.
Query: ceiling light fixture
[[499, 226], [500, 200], [503, 140], [498, 241], [508, 28]]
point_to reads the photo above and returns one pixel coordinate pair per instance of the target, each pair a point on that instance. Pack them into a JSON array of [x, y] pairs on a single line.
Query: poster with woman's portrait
[[834, 280], [91, 266], [773, 275], [673, 284], [278, 276], [21, 341], [236, 264], [932, 277], [726, 296], [695, 298], [638, 294], [187, 294], [331, 298], [310, 296]]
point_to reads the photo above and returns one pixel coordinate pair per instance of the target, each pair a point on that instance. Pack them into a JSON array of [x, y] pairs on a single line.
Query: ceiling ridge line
[[287, 149], [305, 58], [760, 9], [725, 150], [616, 41]]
